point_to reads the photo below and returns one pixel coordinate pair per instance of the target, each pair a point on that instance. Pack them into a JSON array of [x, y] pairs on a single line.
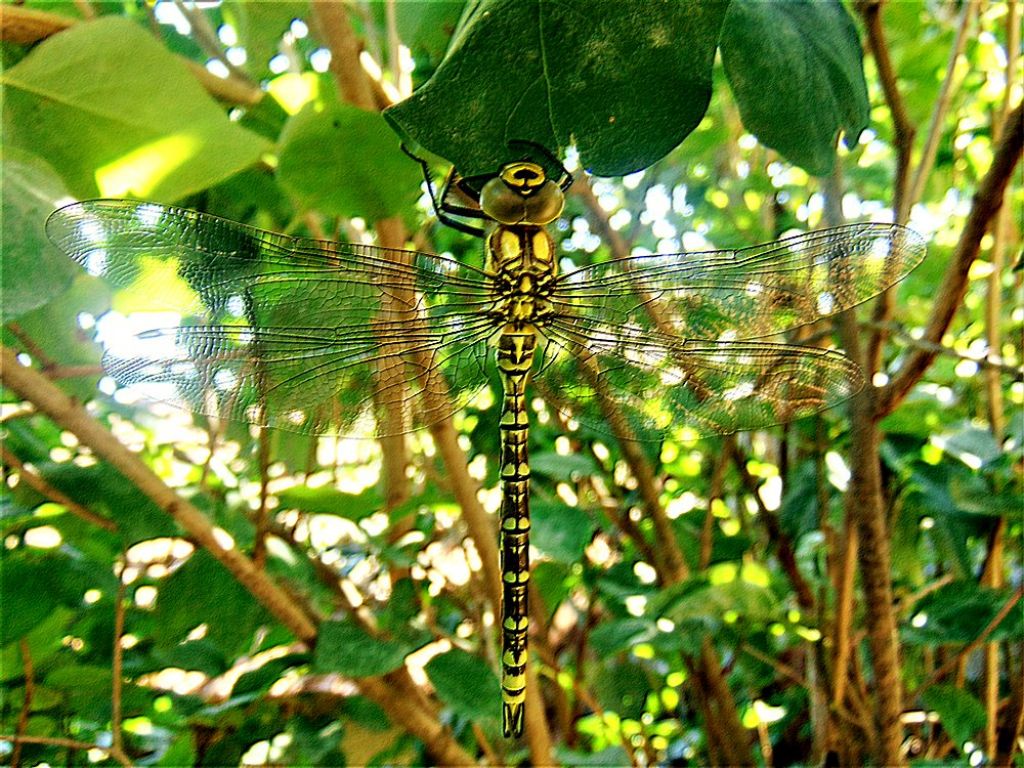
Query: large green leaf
[[961, 714], [795, 69], [345, 647], [626, 82], [466, 684], [119, 115], [33, 271], [958, 612], [561, 531], [618, 634], [344, 161], [622, 688], [203, 592], [28, 598]]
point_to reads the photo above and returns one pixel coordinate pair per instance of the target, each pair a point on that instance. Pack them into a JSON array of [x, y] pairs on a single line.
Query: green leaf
[[466, 684], [26, 596], [260, 679], [562, 467], [203, 592], [622, 688], [330, 501], [959, 612], [119, 115], [972, 445], [560, 531], [343, 646], [32, 271], [260, 27], [961, 714], [343, 161], [612, 757], [105, 490], [795, 68], [201, 655], [706, 604], [619, 634], [625, 82], [426, 27]]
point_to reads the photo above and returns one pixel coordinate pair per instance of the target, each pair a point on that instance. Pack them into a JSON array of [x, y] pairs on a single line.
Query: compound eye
[[523, 176]]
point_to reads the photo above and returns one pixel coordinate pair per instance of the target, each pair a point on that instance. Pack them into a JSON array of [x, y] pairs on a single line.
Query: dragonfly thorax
[[522, 266]]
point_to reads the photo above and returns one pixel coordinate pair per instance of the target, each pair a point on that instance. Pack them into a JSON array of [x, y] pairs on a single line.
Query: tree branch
[[49, 399], [931, 145], [903, 139], [404, 707], [986, 203], [26, 705], [38, 484]]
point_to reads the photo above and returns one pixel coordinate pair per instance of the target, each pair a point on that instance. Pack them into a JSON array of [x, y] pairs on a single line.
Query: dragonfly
[[326, 337]]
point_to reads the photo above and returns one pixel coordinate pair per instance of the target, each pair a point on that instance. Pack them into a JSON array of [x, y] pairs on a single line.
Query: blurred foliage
[[110, 107]]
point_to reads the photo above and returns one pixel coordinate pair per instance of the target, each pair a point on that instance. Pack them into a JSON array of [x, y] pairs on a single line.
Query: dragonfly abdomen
[[514, 358]]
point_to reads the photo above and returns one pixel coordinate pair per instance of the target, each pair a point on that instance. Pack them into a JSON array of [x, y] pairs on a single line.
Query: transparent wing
[[742, 294], [300, 334], [713, 387]]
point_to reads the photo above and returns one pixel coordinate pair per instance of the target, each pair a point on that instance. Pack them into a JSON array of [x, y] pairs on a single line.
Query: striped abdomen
[[514, 356]]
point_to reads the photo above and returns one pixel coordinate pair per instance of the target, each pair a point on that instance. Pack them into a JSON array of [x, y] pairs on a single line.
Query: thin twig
[[935, 127], [903, 141], [203, 34], [986, 362], [48, 398], [85, 8], [972, 646], [56, 741], [26, 704], [40, 485], [117, 668], [988, 199], [783, 669]]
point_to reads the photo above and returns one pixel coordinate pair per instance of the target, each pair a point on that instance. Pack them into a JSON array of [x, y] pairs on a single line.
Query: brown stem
[[903, 141], [26, 704], [1007, 739], [333, 27], [992, 576], [715, 490], [40, 485], [85, 8], [993, 296], [33, 386], [864, 506], [986, 203], [935, 127], [117, 670], [259, 547], [967, 650], [842, 647]]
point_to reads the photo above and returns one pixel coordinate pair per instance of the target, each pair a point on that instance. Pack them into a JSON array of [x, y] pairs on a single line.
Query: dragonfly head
[[522, 194]]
